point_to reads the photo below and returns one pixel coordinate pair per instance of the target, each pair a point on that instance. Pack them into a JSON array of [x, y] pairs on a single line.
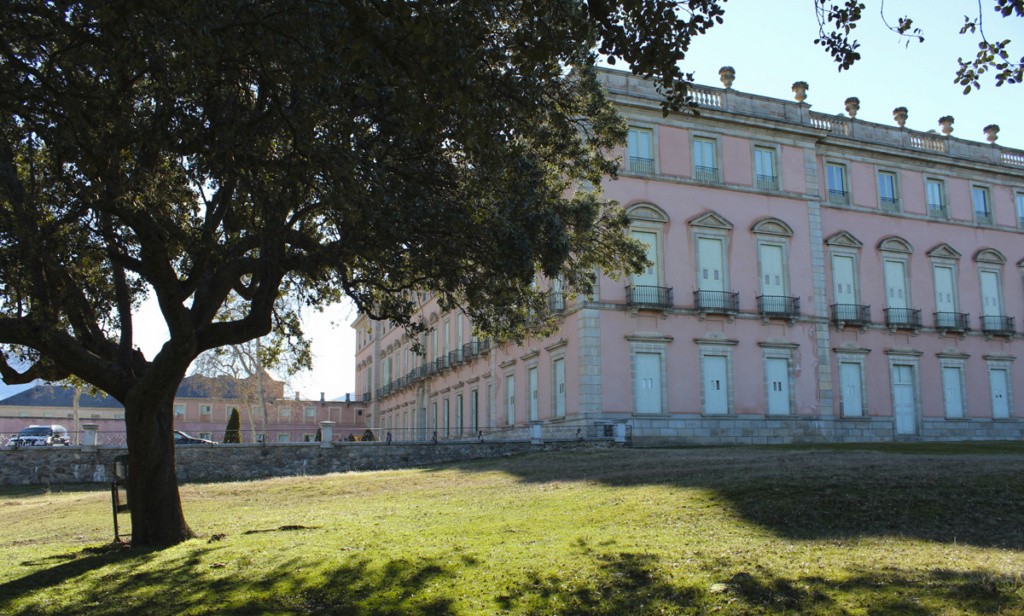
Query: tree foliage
[[232, 432]]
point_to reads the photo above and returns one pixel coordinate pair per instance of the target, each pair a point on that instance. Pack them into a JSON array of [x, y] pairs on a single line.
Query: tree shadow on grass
[[636, 584], [350, 586], [816, 495]]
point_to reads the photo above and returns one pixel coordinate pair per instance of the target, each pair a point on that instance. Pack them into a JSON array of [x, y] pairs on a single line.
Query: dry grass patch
[[731, 531]]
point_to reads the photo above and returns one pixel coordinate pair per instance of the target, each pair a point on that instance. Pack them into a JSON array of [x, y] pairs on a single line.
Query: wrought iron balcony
[[851, 314], [952, 321], [998, 325], [644, 296], [705, 174], [937, 210], [640, 164], [556, 302], [455, 357], [718, 302], [367, 397], [441, 364], [778, 306], [767, 182], [839, 197], [890, 204], [903, 318]]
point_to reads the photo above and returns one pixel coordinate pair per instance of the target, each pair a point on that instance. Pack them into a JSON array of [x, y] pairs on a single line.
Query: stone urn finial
[[852, 106], [900, 115], [946, 122], [728, 75], [992, 132], [800, 90]]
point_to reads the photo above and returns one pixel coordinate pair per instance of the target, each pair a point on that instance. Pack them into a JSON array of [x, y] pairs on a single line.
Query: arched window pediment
[[989, 255], [895, 244], [646, 212], [772, 226]]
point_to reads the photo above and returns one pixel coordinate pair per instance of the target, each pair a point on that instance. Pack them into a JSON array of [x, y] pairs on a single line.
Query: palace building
[[815, 278]]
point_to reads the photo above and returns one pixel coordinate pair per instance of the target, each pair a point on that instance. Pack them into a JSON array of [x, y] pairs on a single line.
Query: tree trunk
[[157, 518]]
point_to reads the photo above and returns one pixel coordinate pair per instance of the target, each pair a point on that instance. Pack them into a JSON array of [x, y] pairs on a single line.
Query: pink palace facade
[[816, 278]]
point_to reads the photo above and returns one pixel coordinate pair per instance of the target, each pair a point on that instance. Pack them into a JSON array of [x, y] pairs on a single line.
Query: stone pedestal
[[326, 433], [90, 434]]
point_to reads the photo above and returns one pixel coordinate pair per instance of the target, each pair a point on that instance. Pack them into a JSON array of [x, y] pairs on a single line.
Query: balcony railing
[[705, 174], [645, 296], [937, 210], [983, 218], [367, 397], [639, 164], [890, 204], [851, 314], [839, 197], [556, 302], [767, 182], [903, 318], [719, 302], [454, 357], [998, 325], [952, 321], [778, 306]]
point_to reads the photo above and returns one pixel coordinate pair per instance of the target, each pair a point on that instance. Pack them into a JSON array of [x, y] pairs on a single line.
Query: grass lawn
[[886, 530]]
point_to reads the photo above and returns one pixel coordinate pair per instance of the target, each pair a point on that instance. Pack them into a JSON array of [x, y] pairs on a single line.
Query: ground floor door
[[716, 384], [776, 372], [1000, 389], [903, 399], [648, 383]]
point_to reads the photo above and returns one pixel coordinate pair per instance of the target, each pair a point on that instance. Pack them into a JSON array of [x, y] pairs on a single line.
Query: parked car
[[41, 436], [180, 438]]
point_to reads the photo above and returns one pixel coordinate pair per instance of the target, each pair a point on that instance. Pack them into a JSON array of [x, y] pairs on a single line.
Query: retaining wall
[[60, 465]]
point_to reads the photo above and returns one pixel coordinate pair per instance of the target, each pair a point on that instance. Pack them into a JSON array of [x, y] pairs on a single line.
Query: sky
[[770, 45]]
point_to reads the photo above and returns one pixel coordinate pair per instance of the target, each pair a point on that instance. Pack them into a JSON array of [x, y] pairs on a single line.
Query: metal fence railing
[[311, 434]]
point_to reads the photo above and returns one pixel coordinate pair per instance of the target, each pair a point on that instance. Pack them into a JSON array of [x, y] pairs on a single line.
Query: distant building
[[815, 277], [201, 408]]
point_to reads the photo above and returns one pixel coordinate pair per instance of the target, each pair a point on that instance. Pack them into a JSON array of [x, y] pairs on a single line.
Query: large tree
[[192, 151]]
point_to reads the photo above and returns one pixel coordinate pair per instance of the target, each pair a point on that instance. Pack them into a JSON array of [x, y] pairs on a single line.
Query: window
[[474, 410], [990, 275], [982, 205], [458, 414], [647, 287], [1020, 210], [281, 438], [999, 385], [531, 380], [764, 169], [433, 414], [836, 176], [204, 409], [447, 417], [510, 399], [851, 382], [953, 391], [310, 412], [716, 374], [887, 199], [775, 300], [710, 239], [704, 168], [558, 388], [179, 410], [935, 194], [207, 435], [641, 157]]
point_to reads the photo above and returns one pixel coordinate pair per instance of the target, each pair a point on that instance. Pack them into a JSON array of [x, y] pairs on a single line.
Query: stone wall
[[60, 465]]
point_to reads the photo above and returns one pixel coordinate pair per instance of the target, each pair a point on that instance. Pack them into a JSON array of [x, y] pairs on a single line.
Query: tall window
[[704, 168], [641, 157], [1020, 210], [935, 195], [836, 175], [982, 205], [510, 399], [764, 169], [887, 191]]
